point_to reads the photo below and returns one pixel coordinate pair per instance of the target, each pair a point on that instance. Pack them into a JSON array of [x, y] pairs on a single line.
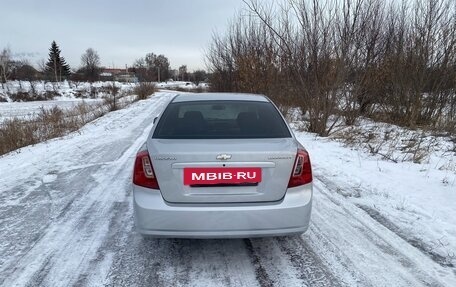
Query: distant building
[[120, 75]]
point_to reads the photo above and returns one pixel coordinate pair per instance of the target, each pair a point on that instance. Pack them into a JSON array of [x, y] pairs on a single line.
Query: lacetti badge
[[230, 175]]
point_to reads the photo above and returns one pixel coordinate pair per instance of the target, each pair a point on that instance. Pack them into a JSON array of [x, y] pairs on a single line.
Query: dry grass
[[394, 145], [49, 123]]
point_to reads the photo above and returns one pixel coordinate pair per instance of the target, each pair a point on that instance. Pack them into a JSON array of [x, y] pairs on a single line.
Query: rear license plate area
[[226, 176]]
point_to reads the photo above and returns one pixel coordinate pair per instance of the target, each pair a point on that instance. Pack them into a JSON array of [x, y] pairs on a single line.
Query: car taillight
[[302, 171], [143, 174]]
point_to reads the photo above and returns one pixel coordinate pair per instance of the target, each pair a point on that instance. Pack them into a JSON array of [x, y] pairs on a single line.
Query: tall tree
[[56, 66], [152, 67], [90, 62], [140, 70], [183, 75], [199, 76], [24, 71], [163, 66], [5, 64]]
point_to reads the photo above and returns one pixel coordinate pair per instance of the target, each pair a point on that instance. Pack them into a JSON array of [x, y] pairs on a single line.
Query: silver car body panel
[[220, 97], [268, 208], [156, 217]]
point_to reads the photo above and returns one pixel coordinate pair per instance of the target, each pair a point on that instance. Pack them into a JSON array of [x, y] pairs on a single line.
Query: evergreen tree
[[56, 66]]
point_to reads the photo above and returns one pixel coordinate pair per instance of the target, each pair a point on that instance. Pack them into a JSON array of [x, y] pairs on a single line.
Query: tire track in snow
[[84, 226], [260, 272], [34, 217], [70, 242], [386, 256], [311, 268], [233, 262], [288, 261], [182, 262], [115, 238], [415, 242]]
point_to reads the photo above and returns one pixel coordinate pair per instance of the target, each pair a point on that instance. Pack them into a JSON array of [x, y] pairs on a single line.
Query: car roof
[[219, 97]]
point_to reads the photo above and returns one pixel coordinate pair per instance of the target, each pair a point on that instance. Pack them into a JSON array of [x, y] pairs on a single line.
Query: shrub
[[21, 97], [14, 133], [29, 96], [144, 90], [113, 97]]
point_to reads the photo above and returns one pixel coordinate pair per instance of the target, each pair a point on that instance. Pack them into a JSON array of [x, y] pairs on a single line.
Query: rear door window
[[221, 119]]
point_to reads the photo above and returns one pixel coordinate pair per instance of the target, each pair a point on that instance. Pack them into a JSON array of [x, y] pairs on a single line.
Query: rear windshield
[[221, 120]]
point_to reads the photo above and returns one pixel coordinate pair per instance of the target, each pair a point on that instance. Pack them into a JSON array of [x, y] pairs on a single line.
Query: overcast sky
[[121, 31]]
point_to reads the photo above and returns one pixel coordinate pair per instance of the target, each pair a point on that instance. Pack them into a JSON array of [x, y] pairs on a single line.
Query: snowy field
[[181, 85], [65, 90], [66, 219], [70, 94], [415, 201], [29, 110]]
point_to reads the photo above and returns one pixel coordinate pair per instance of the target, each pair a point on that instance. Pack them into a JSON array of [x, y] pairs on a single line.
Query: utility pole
[[158, 68]]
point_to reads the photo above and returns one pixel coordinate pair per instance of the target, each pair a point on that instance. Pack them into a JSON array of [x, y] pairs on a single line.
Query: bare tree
[[340, 59], [199, 76], [24, 71], [5, 64], [90, 64], [152, 67], [183, 72]]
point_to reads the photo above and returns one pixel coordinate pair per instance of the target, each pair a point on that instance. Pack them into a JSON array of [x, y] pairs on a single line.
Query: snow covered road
[[66, 220]]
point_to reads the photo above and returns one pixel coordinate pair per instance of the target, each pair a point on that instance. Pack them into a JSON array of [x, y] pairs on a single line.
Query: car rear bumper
[[158, 218]]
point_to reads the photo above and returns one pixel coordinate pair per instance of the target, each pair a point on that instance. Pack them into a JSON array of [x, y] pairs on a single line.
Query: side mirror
[[155, 119]]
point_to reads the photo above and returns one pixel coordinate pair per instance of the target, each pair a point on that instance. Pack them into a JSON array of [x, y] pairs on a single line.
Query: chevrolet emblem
[[223, 156]]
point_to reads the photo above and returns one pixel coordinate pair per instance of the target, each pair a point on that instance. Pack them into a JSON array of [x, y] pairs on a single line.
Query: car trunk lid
[[222, 171]]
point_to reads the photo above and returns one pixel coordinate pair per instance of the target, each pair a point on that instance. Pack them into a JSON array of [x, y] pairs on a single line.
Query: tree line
[[150, 68], [55, 69], [337, 60]]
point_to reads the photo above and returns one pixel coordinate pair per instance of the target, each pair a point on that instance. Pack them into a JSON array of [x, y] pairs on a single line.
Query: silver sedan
[[221, 165]]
